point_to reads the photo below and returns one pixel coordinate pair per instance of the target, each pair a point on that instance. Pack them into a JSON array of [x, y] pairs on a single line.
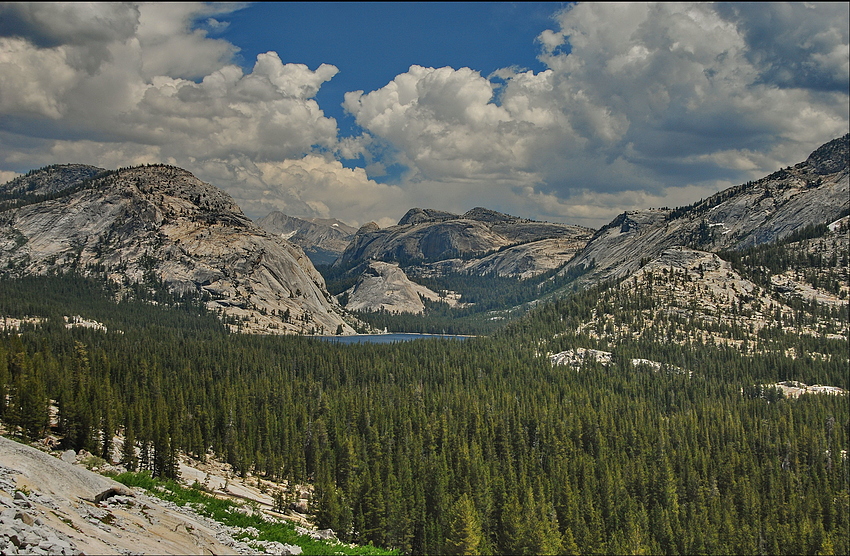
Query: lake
[[385, 338]]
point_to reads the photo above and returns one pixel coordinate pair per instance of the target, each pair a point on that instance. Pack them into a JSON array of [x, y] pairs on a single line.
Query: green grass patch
[[225, 511]]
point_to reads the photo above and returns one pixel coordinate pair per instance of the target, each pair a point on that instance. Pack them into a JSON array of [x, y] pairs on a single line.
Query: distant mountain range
[[160, 225], [424, 237], [322, 239]]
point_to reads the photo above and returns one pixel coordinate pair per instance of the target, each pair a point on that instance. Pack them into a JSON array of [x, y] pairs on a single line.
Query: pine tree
[[464, 533], [129, 459], [27, 409]]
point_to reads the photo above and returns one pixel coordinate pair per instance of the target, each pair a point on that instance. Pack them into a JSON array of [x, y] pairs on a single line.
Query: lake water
[[385, 338]]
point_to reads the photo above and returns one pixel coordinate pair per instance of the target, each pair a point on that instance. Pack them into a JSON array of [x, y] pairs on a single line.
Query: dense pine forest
[[482, 445]]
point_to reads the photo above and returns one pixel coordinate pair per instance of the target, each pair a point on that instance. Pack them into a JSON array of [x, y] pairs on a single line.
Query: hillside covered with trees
[[482, 445]]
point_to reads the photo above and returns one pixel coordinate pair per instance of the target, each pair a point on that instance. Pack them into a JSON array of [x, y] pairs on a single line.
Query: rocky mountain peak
[[161, 222], [179, 190], [323, 239], [49, 180], [486, 215], [419, 215], [831, 157], [812, 192], [367, 228]]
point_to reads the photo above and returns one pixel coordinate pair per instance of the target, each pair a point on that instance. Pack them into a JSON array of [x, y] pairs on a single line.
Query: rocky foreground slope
[[48, 506], [160, 224], [54, 505]]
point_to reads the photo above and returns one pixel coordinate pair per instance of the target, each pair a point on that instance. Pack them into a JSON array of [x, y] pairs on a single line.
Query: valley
[[674, 382]]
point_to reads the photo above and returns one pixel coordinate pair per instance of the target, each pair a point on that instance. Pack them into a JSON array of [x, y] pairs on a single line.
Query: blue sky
[[562, 112], [353, 36]]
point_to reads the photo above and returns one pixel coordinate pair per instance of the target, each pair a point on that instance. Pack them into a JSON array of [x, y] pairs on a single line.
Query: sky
[[360, 111]]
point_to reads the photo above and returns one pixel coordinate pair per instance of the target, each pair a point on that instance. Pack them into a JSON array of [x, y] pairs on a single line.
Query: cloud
[[268, 113], [443, 124], [683, 82], [47, 26], [33, 81], [159, 90], [795, 45], [316, 186], [8, 176], [638, 105], [170, 46], [636, 98]]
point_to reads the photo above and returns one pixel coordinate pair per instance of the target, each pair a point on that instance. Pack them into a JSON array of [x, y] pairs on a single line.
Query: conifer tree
[[465, 535]]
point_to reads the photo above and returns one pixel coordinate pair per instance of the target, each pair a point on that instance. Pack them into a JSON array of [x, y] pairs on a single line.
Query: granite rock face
[[322, 239], [385, 286], [478, 241], [160, 222], [519, 261], [49, 506], [812, 192]]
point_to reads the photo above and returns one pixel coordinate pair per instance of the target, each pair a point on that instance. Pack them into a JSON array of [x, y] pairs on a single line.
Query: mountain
[[386, 287], [322, 239], [501, 265], [522, 261], [812, 192], [160, 225], [48, 180], [478, 241], [787, 298]]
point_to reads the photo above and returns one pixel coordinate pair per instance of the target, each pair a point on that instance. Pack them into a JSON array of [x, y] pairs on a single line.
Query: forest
[[441, 446]]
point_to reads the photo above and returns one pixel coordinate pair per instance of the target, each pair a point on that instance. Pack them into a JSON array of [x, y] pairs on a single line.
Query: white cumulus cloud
[[638, 105], [118, 85], [637, 98]]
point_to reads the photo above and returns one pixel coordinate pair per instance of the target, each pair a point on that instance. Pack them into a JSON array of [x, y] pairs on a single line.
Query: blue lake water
[[385, 338]]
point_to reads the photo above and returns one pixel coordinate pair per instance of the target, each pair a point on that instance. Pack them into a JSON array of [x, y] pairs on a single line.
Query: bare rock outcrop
[[813, 192], [385, 286], [48, 506], [520, 261], [162, 223]]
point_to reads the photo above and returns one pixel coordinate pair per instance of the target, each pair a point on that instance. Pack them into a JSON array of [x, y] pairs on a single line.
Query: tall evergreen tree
[[465, 535]]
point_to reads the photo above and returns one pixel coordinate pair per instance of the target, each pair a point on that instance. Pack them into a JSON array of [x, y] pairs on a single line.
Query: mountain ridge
[[162, 223], [425, 236], [322, 239], [812, 192]]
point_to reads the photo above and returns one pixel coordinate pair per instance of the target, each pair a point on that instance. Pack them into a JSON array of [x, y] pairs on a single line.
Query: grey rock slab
[[60, 479], [30, 538], [386, 286], [326, 534], [204, 242], [25, 517], [7, 532]]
